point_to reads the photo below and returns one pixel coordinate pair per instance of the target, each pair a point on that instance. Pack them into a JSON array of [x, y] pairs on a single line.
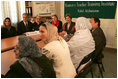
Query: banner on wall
[[100, 9]]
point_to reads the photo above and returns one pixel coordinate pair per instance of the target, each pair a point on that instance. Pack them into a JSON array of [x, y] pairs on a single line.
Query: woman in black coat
[[31, 63], [7, 30], [69, 26]]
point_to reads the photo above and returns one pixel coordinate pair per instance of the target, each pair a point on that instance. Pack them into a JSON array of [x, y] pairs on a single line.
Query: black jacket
[[36, 26], [100, 42], [17, 70], [5, 33], [71, 29], [59, 26], [21, 28]]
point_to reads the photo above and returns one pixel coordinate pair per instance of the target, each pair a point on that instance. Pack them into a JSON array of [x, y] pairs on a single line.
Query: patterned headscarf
[[29, 49]]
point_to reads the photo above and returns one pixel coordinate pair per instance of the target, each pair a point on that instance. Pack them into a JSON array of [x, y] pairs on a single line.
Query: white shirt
[[60, 54]]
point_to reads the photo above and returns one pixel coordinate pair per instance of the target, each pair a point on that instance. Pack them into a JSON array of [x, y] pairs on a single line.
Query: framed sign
[[43, 8], [100, 9]]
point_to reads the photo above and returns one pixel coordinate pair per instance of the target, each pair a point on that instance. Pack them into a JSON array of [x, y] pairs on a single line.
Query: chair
[[86, 68], [98, 60], [2, 76]]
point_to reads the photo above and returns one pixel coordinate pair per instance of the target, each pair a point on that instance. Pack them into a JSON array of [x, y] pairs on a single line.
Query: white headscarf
[[52, 33], [83, 23], [82, 34]]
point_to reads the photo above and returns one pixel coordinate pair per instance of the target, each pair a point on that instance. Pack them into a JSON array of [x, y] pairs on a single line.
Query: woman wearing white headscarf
[[31, 63], [56, 49], [82, 43]]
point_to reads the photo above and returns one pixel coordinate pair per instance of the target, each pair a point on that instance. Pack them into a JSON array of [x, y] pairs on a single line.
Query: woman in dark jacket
[[69, 26], [37, 24], [7, 30], [31, 63]]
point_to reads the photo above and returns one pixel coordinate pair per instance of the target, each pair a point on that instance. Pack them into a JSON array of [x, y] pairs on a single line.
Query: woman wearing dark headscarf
[[31, 63]]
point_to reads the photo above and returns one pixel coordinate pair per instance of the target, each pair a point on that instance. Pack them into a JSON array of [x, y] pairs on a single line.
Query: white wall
[[109, 26]]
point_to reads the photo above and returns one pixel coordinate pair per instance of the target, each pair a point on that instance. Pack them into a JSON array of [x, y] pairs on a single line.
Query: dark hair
[[97, 20], [69, 15], [25, 14], [4, 25], [44, 25], [55, 16]]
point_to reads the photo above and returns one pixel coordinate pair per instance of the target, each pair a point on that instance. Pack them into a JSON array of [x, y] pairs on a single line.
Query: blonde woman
[[56, 49]]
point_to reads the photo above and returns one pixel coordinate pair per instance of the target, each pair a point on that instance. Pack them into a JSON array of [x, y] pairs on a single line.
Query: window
[[13, 10]]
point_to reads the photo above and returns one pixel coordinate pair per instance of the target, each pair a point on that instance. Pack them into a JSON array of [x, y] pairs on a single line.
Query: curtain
[[13, 10]]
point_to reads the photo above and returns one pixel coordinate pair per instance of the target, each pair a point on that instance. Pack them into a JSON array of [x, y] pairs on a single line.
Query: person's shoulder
[[13, 28], [16, 64], [73, 23], [43, 58], [65, 24], [20, 22], [42, 22], [60, 21], [29, 22], [2, 28], [57, 44], [99, 29], [52, 45], [34, 23]]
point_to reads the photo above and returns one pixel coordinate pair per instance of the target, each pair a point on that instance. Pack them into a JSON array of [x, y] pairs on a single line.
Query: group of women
[[68, 28], [57, 58]]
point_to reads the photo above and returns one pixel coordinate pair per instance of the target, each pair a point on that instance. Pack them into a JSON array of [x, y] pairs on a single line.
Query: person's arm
[[14, 31], [47, 53], [30, 26], [63, 28], [2, 33], [104, 39], [33, 26], [73, 28], [60, 26], [19, 30], [98, 38], [99, 45]]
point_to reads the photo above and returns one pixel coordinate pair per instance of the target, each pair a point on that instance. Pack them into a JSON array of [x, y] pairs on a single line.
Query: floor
[[110, 65]]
